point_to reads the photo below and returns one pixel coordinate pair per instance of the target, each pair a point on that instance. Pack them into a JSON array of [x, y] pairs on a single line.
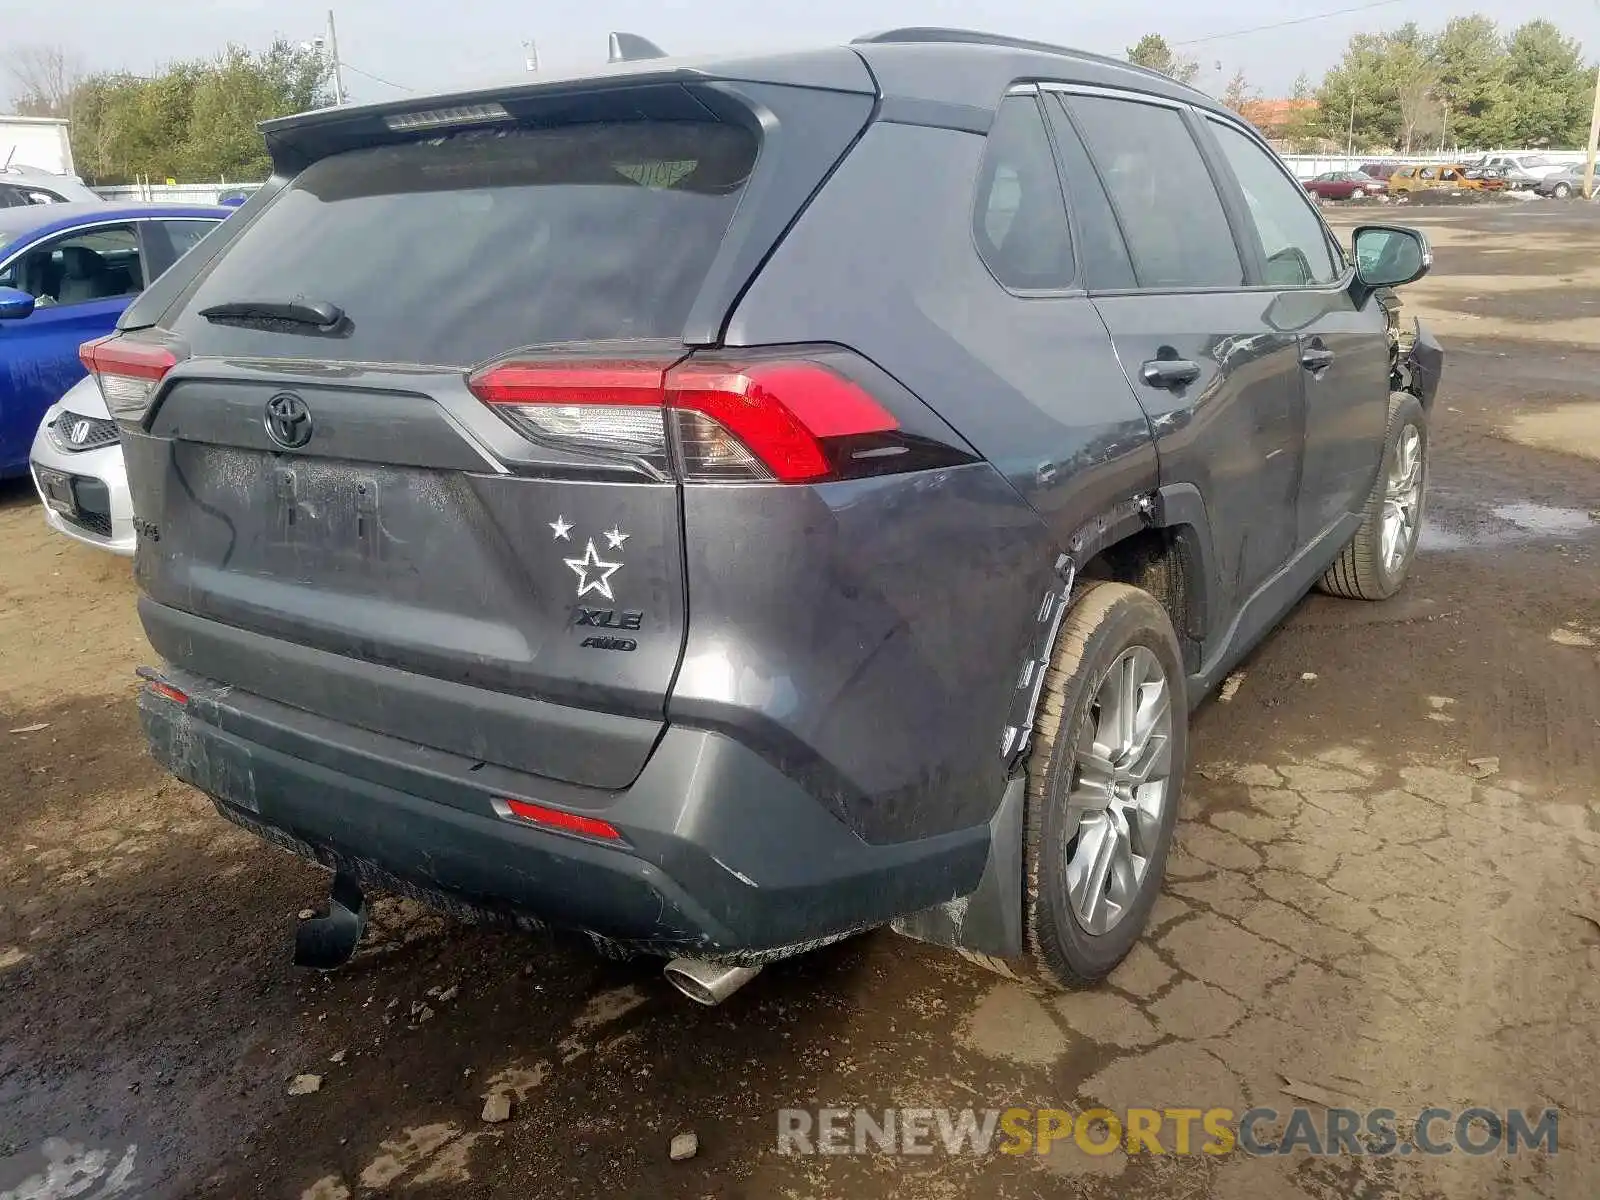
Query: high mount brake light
[[772, 420], [127, 372]]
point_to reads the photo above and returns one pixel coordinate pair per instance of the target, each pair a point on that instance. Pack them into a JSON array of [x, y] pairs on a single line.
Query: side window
[[96, 264], [1101, 249], [167, 241], [185, 234], [1020, 218], [1292, 238], [1164, 199]]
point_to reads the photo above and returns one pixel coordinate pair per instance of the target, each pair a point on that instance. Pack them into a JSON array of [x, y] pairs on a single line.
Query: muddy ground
[[1358, 913]]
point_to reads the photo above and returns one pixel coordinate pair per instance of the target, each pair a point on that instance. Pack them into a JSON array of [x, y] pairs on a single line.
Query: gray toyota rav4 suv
[[722, 506]]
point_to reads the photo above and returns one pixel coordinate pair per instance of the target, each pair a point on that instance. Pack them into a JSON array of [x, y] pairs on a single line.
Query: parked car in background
[[545, 513], [1422, 177], [22, 186], [1378, 170], [1346, 185], [67, 271], [1564, 183], [79, 472], [1520, 170]]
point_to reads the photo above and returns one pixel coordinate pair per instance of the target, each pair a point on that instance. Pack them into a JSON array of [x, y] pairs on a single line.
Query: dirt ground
[[1386, 892]]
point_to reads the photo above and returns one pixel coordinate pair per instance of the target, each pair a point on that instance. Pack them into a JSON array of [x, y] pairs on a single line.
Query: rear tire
[[1374, 563], [1561, 191], [1102, 806]]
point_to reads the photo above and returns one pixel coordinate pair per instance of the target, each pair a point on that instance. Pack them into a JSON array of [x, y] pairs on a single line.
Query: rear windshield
[[456, 249]]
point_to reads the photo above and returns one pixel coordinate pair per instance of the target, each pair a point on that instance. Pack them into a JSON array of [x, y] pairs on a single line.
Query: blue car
[[66, 273]]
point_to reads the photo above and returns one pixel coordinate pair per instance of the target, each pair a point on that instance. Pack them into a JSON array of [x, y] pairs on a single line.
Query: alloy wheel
[[1402, 499], [1119, 790]]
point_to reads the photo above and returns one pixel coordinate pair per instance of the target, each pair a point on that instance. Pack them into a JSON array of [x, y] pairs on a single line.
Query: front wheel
[[1111, 745], [1375, 562], [1561, 191]]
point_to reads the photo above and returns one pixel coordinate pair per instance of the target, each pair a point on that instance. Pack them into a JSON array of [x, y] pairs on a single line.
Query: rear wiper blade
[[296, 312]]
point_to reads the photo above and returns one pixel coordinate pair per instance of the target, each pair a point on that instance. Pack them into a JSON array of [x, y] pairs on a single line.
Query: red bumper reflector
[[554, 818], [169, 692]]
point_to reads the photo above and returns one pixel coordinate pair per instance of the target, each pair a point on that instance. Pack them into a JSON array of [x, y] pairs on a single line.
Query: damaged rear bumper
[[720, 855]]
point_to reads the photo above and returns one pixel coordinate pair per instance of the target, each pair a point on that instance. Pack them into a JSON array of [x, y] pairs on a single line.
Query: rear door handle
[[1169, 372], [1316, 358]]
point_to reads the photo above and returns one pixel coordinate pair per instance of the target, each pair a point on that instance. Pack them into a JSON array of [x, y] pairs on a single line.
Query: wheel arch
[[1168, 551]]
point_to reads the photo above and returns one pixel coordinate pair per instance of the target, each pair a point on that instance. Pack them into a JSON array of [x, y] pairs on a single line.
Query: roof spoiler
[[630, 47]]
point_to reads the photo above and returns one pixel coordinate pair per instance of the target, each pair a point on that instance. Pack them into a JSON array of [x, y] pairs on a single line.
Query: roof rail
[[975, 37]]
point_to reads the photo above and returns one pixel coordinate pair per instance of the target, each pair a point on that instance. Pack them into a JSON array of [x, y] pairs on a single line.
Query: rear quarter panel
[[886, 635]]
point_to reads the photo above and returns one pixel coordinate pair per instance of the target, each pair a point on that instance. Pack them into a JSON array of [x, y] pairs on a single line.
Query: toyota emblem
[[288, 421]]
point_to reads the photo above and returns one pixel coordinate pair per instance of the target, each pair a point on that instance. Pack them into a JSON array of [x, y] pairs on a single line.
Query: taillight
[[126, 371], [611, 407], [782, 413], [723, 418]]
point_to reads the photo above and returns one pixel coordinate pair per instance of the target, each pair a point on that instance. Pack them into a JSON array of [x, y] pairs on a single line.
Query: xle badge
[[603, 618]]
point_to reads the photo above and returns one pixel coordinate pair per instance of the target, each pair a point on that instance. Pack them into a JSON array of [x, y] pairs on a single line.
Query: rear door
[[348, 527], [1344, 350], [1217, 382]]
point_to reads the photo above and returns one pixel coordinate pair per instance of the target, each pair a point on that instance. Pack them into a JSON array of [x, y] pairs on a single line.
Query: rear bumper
[[722, 855]]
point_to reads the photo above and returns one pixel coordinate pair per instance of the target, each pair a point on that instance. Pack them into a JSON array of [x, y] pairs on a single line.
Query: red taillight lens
[[781, 412], [567, 822], [128, 372], [767, 420]]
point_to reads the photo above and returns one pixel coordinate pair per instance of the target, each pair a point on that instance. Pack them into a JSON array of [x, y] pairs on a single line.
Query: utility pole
[[333, 55], [1594, 133], [530, 56], [1350, 140]]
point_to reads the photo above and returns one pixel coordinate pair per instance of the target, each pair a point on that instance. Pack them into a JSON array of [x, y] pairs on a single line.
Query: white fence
[[1305, 166], [179, 193]]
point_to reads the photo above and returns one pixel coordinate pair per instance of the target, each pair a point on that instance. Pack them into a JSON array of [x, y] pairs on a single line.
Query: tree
[[1415, 79], [1360, 94], [1471, 61], [1549, 89], [1154, 52], [1239, 93], [1302, 87], [43, 79], [195, 120]]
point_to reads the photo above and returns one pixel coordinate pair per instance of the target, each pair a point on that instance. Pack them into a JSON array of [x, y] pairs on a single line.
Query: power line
[[349, 66], [1338, 12]]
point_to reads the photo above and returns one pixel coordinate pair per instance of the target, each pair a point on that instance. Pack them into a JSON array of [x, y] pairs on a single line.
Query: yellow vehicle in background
[[1452, 177]]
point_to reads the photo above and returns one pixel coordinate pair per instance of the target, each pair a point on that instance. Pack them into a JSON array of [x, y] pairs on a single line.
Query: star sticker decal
[[615, 538], [561, 527], [603, 572]]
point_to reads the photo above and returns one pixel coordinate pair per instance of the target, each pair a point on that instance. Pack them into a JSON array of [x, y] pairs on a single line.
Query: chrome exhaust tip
[[707, 983]]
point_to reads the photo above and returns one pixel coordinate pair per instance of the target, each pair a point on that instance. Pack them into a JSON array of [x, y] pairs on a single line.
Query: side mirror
[[1390, 256], [14, 304]]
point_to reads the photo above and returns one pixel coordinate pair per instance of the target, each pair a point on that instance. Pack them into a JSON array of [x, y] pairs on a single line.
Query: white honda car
[[78, 469]]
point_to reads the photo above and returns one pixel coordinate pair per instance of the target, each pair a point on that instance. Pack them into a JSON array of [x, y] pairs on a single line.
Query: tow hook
[[328, 942]]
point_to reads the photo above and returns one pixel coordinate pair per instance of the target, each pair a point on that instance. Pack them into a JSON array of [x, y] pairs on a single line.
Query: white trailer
[[38, 142]]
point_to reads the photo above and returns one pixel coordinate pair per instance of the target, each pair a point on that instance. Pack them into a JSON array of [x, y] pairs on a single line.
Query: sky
[[426, 45]]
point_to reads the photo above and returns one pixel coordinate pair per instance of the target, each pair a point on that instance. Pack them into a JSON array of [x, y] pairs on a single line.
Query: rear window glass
[[456, 249]]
